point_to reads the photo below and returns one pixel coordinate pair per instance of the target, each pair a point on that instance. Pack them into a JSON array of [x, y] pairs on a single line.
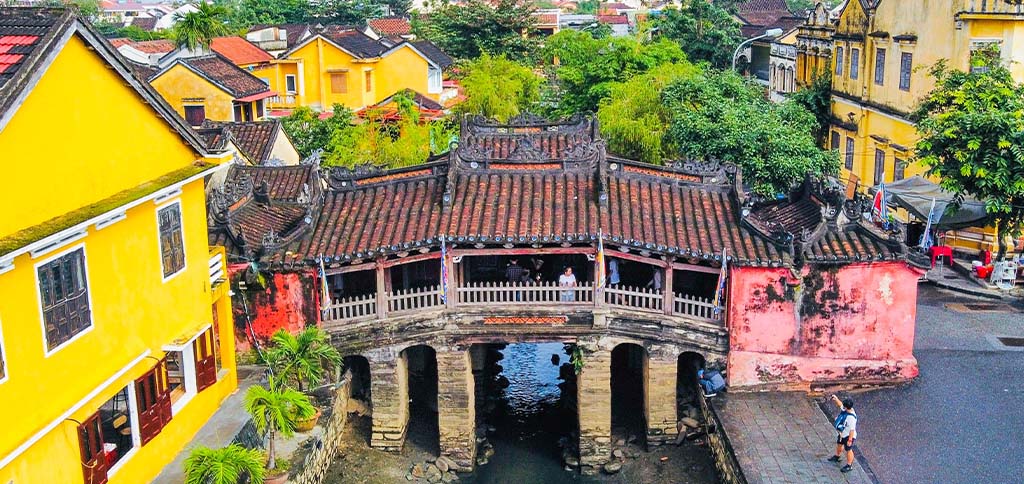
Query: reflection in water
[[531, 414]]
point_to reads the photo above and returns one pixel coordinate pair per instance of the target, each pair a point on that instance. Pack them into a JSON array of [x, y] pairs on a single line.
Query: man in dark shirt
[[514, 272]]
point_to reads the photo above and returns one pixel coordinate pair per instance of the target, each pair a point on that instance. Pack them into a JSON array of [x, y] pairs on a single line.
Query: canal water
[[530, 416]]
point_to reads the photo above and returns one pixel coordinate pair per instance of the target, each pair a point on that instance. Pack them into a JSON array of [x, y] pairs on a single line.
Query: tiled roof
[[803, 214], [284, 183], [434, 53], [421, 101], [390, 26], [143, 72], [240, 51], [118, 42], [254, 138], [354, 41], [144, 23], [235, 80], [22, 31], [613, 19], [616, 6], [546, 18], [159, 46]]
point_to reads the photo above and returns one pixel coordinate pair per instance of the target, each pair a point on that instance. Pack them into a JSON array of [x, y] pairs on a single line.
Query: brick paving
[[782, 438]]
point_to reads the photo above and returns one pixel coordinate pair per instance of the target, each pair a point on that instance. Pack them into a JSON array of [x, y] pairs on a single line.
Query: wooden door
[[90, 444], [206, 365], [163, 394], [154, 401]]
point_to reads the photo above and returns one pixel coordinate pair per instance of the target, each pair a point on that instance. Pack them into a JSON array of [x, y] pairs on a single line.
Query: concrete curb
[[979, 292]]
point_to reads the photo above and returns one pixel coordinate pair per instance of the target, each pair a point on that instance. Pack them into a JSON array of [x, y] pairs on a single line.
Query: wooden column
[[598, 289], [666, 285], [453, 283], [382, 289]]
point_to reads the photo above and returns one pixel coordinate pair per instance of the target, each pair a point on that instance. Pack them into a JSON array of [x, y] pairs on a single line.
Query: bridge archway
[[628, 385], [687, 389], [421, 376]]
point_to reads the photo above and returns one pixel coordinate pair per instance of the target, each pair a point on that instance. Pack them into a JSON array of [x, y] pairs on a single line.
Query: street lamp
[[767, 33]]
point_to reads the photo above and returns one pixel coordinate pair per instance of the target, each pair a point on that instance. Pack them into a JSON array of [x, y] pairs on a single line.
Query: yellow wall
[[134, 311], [401, 69], [180, 83], [77, 144]]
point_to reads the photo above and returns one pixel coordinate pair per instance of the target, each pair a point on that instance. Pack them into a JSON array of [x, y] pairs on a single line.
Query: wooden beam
[[695, 268], [637, 258], [369, 266], [525, 251], [412, 258]]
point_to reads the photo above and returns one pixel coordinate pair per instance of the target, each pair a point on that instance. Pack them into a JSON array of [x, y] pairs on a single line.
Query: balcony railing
[[510, 296], [216, 265], [994, 6]]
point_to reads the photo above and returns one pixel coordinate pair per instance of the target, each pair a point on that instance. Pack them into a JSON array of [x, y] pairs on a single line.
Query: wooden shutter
[[339, 82], [206, 366], [90, 444], [154, 402]]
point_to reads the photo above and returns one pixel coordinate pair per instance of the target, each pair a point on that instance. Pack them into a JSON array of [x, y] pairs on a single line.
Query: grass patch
[[26, 236]]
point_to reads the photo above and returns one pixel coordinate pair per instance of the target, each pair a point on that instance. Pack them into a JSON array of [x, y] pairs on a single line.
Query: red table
[[942, 250]]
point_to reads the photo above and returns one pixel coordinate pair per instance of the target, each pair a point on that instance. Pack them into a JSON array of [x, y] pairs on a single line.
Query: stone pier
[[660, 394], [456, 406], [389, 385], [594, 401]]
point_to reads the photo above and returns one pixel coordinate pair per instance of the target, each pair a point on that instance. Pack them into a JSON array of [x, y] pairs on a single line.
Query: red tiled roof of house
[[159, 46], [613, 19], [144, 23], [235, 80], [21, 31], [546, 18], [240, 51], [254, 138], [118, 42], [390, 26], [616, 6]]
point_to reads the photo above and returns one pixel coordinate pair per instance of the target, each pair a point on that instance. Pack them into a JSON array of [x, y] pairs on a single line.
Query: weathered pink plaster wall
[[827, 324], [288, 302]]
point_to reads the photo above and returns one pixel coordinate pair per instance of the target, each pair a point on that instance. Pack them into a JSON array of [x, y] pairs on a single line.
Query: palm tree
[[223, 466], [275, 410], [197, 29], [304, 357]]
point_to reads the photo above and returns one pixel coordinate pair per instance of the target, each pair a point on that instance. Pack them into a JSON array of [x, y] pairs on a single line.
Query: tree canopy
[[197, 29], [588, 67], [469, 29], [720, 115], [706, 31], [971, 128], [498, 88], [309, 132]]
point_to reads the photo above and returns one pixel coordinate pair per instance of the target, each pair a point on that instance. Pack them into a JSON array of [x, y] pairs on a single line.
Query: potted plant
[[224, 466], [275, 410], [302, 359]]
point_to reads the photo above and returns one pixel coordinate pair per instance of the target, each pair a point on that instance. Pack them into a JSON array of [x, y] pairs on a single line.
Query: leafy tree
[[227, 465], [587, 68], [308, 132], [380, 141], [198, 29], [244, 14], [275, 410], [722, 116], [302, 358], [349, 12], [705, 30], [817, 99], [498, 88], [467, 30], [972, 138], [588, 7], [633, 118], [399, 7]]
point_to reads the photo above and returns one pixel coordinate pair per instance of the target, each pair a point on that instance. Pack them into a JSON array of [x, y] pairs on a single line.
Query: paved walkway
[[219, 431], [782, 438]]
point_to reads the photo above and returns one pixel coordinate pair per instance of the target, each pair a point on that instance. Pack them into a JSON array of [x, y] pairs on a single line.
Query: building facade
[[116, 343], [814, 46]]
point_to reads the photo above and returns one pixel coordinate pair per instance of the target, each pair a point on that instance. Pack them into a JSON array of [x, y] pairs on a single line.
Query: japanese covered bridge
[[814, 294]]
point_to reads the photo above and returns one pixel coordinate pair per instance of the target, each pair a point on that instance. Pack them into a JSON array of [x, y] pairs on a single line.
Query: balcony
[[216, 266], [976, 8]]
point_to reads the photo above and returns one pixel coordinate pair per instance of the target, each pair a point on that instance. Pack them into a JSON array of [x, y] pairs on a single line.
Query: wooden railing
[[994, 6], [351, 308], [639, 298], [486, 293], [216, 265], [695, 307], [489, 294], [414, 299]]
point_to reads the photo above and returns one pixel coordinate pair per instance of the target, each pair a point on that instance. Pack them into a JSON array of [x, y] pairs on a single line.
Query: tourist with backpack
[[846, 425]]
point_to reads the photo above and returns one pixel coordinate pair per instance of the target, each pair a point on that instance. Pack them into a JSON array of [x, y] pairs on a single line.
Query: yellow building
[[211, 87], [343, 65], [116, 340], [814, 46], [879, 75]]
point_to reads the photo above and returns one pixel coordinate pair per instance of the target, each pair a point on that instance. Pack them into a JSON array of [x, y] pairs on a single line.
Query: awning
[[915, 194], [256, 97]]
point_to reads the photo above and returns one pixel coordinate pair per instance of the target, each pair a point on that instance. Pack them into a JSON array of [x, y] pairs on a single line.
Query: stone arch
[[421, 376], [357, 367], [629, 414]]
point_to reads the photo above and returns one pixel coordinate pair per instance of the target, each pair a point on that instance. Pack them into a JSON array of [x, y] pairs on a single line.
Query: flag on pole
[[325, 292], [444, 271], [926, 237], [720, 290], [878, 207], [602, 276]]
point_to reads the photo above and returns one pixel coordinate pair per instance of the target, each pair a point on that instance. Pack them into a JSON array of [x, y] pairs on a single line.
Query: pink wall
[[287, 302], [835, 324]]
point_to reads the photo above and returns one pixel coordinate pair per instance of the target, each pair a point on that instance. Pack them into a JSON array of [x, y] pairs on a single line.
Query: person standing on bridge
[[567, 280], [514, 272], [846, 425]]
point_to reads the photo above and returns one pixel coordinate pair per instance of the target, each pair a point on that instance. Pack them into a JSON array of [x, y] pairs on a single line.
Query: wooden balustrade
[[695, 307], [351, 308], [487, 293], [414, 299], [639, 298]]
